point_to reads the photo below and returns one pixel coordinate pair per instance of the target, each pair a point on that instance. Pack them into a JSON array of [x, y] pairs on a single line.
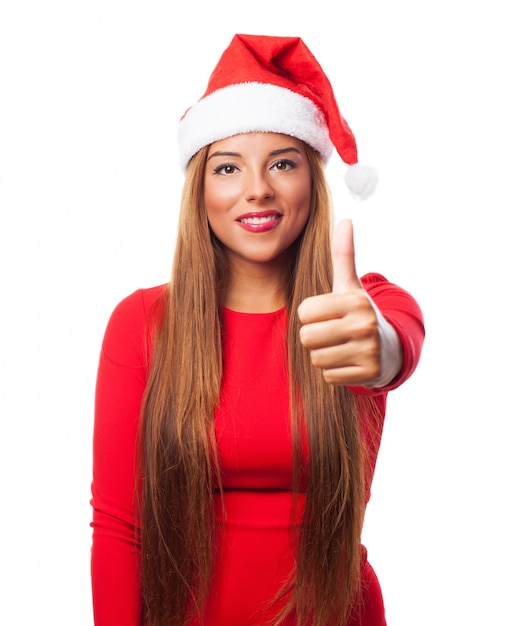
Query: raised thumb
[[345, 277]]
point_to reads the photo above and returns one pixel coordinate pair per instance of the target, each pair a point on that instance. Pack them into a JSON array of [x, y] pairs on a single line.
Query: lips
[[259, 221]]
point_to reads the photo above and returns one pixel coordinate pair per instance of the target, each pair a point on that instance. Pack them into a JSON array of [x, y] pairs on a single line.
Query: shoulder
[[390, 297], [129, 329], [377, 282], [137, 306]]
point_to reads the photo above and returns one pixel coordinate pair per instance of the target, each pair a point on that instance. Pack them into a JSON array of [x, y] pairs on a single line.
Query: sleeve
[[401, 310], [120, 385]]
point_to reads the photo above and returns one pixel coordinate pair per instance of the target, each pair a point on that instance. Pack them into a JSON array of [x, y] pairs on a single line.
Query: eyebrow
[[284, 151], [223, 154], [237, 154]]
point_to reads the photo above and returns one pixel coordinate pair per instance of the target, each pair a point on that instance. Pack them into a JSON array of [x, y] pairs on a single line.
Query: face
[[257, 191]]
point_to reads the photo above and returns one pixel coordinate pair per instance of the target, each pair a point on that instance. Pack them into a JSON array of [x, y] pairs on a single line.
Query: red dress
[[255, 451]]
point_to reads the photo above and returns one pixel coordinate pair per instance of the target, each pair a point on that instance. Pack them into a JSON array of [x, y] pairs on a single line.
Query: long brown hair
[[178, 462]]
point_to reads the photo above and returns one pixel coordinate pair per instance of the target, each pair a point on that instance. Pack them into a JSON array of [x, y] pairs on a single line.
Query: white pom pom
[[362, 180]]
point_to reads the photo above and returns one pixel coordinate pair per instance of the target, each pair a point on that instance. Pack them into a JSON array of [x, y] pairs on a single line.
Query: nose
[[258, 187]]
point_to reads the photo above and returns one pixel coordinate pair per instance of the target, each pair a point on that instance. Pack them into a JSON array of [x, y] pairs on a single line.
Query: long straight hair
[[177, 454]]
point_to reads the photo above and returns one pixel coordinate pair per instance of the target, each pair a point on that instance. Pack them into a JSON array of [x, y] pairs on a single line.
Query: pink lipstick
[[259, 221]]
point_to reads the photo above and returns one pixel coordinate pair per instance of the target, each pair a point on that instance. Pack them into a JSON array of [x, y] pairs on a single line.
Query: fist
[[340, 329]]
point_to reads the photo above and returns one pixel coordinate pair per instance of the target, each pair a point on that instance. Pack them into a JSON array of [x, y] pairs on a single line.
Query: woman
[[239, 408]]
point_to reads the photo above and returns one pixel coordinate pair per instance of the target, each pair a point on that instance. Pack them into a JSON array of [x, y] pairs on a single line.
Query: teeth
[[257, 220]]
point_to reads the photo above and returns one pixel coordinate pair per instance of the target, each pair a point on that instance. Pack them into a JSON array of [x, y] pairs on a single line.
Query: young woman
[[239, 408]]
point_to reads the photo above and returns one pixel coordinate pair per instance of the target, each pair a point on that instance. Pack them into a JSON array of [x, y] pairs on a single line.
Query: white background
[[91, 94]]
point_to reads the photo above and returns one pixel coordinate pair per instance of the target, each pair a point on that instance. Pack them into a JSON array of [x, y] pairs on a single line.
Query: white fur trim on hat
[[252, 107]]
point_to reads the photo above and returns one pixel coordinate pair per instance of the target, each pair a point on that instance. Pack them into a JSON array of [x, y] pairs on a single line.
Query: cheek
[[219, 197], [210, 200], [304, 202]]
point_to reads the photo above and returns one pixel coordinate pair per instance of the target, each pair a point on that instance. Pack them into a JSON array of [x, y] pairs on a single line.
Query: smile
[[259, 222]]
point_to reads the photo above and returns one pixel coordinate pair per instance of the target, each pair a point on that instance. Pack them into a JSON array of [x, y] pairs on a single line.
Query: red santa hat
[[273, 84]]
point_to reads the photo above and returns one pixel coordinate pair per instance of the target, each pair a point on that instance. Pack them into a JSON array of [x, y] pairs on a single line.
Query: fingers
[[333, 319], [346, 350], [340, 328], [345, 277]]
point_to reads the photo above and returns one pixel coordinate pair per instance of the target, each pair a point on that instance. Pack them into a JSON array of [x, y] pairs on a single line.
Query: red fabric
[[285, 62], [254, 442]]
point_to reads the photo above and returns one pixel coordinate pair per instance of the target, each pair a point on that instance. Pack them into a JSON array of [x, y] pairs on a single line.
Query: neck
[[255, 288]]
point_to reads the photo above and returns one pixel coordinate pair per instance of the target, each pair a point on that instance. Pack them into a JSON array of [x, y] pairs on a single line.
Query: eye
[[283, 165], [225, 169]]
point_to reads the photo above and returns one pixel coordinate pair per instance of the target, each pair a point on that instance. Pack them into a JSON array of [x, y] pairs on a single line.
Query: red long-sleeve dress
[[255, 451]]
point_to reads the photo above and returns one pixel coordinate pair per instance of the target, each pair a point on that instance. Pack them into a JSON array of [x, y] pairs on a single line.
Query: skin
[[252, 175], [340, 328], [267, 174]]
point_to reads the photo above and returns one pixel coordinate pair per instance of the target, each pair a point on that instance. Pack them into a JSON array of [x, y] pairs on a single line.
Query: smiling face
[[257, 192]]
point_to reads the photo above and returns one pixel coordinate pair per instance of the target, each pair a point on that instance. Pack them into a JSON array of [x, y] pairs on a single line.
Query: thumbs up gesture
[[341, 328]]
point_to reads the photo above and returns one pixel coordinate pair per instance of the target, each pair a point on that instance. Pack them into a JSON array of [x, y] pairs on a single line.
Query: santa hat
[[273, 84]]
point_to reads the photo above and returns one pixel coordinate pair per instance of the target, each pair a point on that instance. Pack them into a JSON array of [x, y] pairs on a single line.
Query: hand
[[341, 328]]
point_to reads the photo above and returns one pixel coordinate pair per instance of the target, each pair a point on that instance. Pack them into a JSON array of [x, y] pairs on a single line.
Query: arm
[[120, 386], [403, 314]]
